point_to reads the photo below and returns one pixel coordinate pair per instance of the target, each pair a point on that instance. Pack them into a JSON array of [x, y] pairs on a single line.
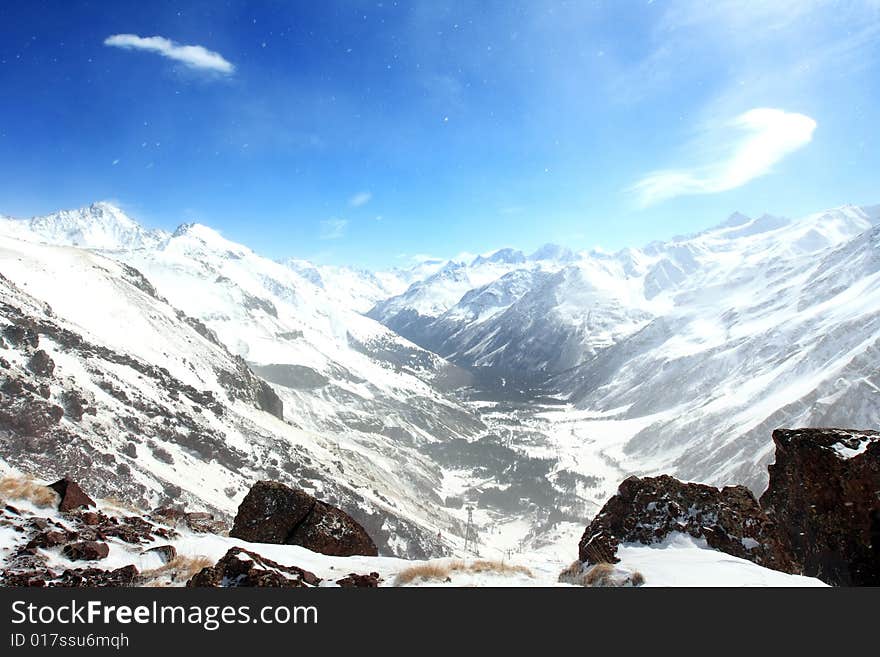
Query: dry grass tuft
[[599, 575], [573, 574], [443, 570], [180, 569], [602, 574], [498, 567], [432, 570], [25, 488]]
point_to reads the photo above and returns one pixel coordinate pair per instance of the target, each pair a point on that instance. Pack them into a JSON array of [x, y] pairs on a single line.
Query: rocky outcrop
[[72, 496], [274, 513], [240, 567], [649, 509], [824, 494]]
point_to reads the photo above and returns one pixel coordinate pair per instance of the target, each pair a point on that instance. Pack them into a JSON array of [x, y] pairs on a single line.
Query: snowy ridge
[[98, 226]]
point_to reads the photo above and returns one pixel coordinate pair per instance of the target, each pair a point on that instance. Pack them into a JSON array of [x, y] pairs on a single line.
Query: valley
[[487, 407]]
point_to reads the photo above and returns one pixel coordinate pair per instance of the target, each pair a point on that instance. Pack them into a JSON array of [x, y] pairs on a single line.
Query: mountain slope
[[107, 382]]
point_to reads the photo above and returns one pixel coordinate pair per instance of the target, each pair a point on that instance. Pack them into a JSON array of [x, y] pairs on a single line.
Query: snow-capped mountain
[[527, 386], [370, 410], [98, 226], [106, 381], [411, 312], [357, 289], [781, 330], [681, 356]]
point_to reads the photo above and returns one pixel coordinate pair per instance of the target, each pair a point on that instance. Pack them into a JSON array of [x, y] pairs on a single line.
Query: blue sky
[[371, 133]]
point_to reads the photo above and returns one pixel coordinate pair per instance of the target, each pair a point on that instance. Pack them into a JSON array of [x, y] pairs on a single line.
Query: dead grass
[[26, 488], [602, 574], [432, 570], [499, 567], [180, 569], [573, 574], [599, 575], [443, 570]]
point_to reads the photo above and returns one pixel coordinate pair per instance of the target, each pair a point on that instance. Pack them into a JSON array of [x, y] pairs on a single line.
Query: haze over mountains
[[527, 385]]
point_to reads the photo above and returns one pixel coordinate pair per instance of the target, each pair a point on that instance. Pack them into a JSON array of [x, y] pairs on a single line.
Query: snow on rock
[[649, 509], [824, 494], [135, 557], [274, 513]]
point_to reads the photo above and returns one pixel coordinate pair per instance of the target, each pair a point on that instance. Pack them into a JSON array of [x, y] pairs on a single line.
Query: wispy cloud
[[196, 57], [333, 229], [360, 199], [763, 137]]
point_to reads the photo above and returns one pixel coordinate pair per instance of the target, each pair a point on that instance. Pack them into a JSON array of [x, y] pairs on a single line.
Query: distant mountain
[[524, 386], [98, 226]]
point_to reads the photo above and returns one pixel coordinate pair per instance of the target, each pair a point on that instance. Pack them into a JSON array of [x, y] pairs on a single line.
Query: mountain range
[[526, 386]]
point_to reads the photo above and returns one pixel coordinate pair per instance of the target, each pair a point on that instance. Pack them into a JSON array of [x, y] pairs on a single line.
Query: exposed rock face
[[274, 513], [647, 510], [240, 567], [824, 494], [72, 496]]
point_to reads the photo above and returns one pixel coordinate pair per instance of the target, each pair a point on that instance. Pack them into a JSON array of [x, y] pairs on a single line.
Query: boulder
[[274, 513], [86, 551], [72, 496], [824, 495], [240, 567], [647, 510]]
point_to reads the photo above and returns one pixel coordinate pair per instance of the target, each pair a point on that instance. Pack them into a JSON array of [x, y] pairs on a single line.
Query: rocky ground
[[818, 519]]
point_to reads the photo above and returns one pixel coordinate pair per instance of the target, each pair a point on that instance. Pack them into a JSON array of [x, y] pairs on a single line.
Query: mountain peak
[[506, 255], [100, 225], [554, 252]]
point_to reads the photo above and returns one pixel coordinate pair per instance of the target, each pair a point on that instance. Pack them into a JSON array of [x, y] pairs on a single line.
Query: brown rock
[[270, 512], [274, 513], [824, 494], [90, 518], [41, 364], [95, 577], [354, 580], [51, 538], [648, 510], [204, 523], [240, 567], [168, 514], [72, 496], [329, 530], [86, 551]]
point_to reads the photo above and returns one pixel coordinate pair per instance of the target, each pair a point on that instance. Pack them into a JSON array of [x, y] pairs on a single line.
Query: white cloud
[[333, 229], [360, 199], [195, 57], [764, 137]]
